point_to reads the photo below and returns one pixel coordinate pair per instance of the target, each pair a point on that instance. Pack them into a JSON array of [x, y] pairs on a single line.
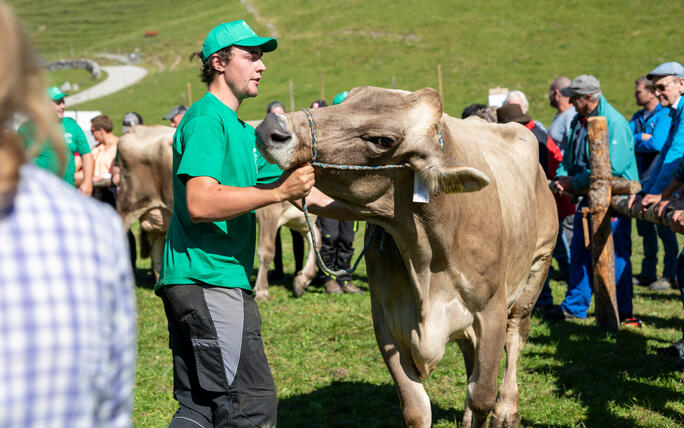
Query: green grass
[[520, 45], [329, 372], [326, 364]]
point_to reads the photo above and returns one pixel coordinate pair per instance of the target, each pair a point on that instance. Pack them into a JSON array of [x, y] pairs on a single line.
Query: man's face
[[642, 95], [58, 105], [668, 90], [176, 120], [98, 134], [243, 72], [553, 97], [583, 104]]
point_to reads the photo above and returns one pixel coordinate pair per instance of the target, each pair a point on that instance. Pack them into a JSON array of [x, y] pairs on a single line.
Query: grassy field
[[322, 350], [329, 372]]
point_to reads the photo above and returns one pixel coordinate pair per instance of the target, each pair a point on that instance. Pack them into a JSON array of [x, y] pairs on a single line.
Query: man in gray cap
[[175, 115], [573, 175], [668, 84]]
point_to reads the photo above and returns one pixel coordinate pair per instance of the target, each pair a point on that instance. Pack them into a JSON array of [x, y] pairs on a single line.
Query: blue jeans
[[650, 232], [580, 288]]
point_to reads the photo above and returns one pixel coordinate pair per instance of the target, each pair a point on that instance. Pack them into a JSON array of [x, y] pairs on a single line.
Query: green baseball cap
[[55, 94], [235, 33], [340, 97]]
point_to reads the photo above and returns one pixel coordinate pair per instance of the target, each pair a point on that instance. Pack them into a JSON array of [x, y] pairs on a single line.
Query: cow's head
[[372, 127]]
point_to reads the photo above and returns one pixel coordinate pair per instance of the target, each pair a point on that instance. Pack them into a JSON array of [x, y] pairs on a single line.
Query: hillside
[[519, 45]]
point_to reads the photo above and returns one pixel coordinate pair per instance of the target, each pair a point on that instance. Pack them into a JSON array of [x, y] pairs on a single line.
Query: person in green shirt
[[75, 140], [221, 374]]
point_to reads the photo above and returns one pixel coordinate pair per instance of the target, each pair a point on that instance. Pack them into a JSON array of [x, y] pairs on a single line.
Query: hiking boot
[[349, 287], [661, 284], [558, 314], [332, 287], [642, 280]]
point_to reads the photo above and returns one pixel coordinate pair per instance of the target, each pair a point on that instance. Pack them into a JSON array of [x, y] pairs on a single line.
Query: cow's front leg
[[414, 401], [490, 332], [468, 351]]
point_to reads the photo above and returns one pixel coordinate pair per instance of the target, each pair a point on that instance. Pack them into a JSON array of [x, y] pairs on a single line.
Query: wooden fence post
[[322, 86], [439, 82], [601, 239], [189, 87], [291, 95]]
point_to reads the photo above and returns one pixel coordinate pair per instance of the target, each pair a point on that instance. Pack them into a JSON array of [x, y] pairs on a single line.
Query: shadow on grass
[[605, 371], [350, 404]]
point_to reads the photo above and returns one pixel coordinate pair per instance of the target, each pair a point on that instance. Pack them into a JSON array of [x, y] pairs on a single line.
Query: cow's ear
[[445, 174]]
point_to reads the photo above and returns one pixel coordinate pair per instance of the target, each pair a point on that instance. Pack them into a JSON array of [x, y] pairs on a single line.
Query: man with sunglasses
[[573, 175], [668, 84]]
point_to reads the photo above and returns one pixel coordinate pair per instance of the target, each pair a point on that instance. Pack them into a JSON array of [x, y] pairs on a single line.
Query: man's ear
[[217, 63], [444, 174]]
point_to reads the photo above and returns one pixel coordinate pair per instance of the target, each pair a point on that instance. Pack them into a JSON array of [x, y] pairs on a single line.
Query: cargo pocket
[[209, 363]]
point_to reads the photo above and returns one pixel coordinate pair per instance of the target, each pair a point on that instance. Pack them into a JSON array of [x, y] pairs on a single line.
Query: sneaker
[[332, 287], [631, 322], [349, 287], [557, 313], [642, 280], [661, 284]]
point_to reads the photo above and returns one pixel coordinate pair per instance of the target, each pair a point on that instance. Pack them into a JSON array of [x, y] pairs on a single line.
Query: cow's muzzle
[[273, 134]]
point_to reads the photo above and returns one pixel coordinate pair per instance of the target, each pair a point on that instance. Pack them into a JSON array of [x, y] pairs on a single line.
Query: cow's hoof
[[299, 285], [507, 420], [262, 296]]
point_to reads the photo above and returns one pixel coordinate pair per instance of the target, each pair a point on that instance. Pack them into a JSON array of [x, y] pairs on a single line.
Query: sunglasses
[[661, 86]]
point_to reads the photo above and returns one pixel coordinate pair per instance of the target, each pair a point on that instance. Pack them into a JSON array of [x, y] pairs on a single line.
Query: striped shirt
[[67, 309]]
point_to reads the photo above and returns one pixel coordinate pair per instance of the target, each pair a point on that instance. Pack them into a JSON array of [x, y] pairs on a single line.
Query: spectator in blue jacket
[[573, 176], [650, 127]]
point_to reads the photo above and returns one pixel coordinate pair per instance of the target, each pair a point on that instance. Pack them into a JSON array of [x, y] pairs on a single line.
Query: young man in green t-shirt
[[221, 374], [75, 141]]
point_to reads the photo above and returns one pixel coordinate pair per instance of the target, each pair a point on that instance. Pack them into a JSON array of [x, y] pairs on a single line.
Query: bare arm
[[208, 200], [323, 205], [88, 168]]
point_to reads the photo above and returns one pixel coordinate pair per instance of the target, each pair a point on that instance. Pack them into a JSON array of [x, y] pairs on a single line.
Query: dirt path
[[118, 77]]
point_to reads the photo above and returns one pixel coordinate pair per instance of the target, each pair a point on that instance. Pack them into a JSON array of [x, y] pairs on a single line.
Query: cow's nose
[[273, 131]]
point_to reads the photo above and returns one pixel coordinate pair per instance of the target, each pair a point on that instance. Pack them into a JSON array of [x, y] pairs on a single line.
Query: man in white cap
[[221, 374], [573, 175]]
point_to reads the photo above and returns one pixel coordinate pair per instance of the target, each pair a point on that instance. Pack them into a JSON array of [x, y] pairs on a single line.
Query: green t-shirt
[[212, 142], [75, 141]]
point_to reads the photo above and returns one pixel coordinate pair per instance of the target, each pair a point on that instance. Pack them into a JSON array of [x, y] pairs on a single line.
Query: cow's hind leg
[[490, 336], [415, 404], [304, 277], [468, 351], [266, 251], [506, 412]]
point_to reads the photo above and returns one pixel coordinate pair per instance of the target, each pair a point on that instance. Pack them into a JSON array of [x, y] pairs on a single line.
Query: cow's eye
[[384, 142]]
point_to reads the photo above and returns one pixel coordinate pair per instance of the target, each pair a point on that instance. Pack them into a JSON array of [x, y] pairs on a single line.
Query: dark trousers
[[297, 248], [337, 244], [221, 376]]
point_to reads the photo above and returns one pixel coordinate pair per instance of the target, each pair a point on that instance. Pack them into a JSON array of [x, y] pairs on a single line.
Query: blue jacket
[[670, 155], [621, 148], [657, 124]]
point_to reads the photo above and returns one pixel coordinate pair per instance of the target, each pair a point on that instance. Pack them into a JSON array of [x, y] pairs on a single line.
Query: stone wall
[[86, 64]]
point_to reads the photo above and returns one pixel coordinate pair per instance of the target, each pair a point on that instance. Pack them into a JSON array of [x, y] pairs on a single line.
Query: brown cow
[[145, 193], [466, 266]]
